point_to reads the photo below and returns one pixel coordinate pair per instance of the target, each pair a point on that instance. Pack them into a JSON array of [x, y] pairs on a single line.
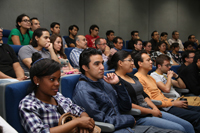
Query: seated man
[[110, 36], [175, 39], [181, 109], [187, 57], [70, 40], [55, 29], [192, 38], [191, 76], [34, 24], [163, 37], [188, 45], [118, 43], [101, 45], [81, 44], [9, 65], [175, 54], [137, 46], [155, 39], [134, 36], [94, 31]]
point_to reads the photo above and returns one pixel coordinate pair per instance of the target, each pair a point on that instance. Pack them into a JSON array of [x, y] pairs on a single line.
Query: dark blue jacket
[[104, 103]]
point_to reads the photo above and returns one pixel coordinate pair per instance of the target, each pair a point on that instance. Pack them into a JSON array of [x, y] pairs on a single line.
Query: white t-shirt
[[6, 127]]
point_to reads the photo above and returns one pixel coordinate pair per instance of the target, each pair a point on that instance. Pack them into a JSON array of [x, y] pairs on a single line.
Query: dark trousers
[[191, 114]]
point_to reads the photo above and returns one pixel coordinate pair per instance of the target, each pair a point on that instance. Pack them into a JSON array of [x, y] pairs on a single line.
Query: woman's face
[[127, 64], [43, 40], [162, 47], [57, 44], [25, 23], [148, 47], [176, 49]]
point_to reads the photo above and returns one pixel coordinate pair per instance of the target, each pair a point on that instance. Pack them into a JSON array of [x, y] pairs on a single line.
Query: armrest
[[105, 127], [182, 90], [169, 95], [133, 112], [156, 102]]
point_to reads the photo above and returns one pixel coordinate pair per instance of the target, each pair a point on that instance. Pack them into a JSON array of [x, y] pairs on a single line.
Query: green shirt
[[16, 32]]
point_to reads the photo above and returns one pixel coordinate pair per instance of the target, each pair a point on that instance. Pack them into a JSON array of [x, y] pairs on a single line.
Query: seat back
[[175, 68], [67, 52], [16, 48]]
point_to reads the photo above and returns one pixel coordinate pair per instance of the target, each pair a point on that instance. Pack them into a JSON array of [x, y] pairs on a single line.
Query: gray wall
[[122, 16]]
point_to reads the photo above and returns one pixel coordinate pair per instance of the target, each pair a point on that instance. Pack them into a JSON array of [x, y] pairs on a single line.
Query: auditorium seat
[[67, 52], [16, 48], [6, 33]]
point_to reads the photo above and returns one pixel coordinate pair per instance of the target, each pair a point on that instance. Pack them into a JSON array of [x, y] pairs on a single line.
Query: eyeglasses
[[168, 65], [103, 44], [96, 30], [26, 20], [130, 60]]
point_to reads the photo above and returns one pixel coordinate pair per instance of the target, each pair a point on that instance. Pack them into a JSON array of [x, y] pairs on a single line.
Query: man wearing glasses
[[94, 31], [155, 39]]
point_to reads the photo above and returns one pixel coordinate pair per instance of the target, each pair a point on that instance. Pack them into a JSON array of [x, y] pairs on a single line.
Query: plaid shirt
[[74, 56], [39, 117]]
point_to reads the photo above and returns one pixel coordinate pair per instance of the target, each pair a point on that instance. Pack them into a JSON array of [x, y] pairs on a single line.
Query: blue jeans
[[168, 121]]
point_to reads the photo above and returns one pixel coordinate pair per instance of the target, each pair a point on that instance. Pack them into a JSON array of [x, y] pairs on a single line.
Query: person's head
[[163, 36], [1, 33], [147, 46], [110, 35], [175, 47], [192, 38], [197, 59], [100, 44], [40, 37], [135, 35], [175, 35], [55, 28], [143, 61], [155, 35], [91, 64], [163, 63], [121, 60], [94, 30], [81, 42], [45, 75], [188, 45], [162, 46], [188, 56], [34, 24], [138, 44], [118, 42], [23, 21], [73, 30]]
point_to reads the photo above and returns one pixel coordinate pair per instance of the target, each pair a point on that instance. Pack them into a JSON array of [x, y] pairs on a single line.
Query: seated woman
[[56, 40], [122, 62], [22, 34], [40, 42], [41, 109], [175, 54], [161, 49]]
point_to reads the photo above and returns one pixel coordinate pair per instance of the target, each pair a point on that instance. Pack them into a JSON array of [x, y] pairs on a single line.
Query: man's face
[[165, 67], [96, 68], [138, 46], [155, 36], [56, 29], [111, 37], [163, 38], [193, 39], [189, 47], [119, 44], [35, 24], [95, 32], [176, 35], [147, 63], [102, 45], [82, 43], [190, 58], [74, 31], [1, 33], [44, 39], [135, 36]]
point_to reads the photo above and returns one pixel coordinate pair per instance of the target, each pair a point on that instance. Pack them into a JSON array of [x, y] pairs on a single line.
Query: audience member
[[118, 43], [34, 24], [81, 44], [70, 40], [181, 109], [187, 57], [188, 45], [194, 40], [56, 40], [41, 109], [137, 45], [163, 37], [175, 39], [148, 48], [155, 39], [175, 54], [122, 62], [21, 35], [110, 34], [94, 31], [55, 29], [40, 40], [134, 36], [191, 76]]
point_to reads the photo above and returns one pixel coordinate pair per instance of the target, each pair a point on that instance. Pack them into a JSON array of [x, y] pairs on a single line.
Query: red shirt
[[91, 41]]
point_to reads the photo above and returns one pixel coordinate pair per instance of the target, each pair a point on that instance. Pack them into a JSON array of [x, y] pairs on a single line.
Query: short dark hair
[[185, 54], [133, 32], [159, 44], [113, 60], [145, 43], [109, 32], [189, 37], [85, 57], [33, 18], [152, 34], [161, 58], [138, 57], [71, 28], [173, 33], [97, 41], [188, 43], [38, 33], [115, 40], [54, 24], [137, 40], [163, 34], [92, 27], [174, 45], [196, 57]]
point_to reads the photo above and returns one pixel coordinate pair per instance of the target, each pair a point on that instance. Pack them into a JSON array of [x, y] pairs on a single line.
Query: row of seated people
[[97, 95]]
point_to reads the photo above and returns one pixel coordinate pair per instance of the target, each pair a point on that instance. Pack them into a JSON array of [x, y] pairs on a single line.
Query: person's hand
[[111, 78], [107, 50], [197, 41], [84, 130], [22, 78], [170, 74], [86, 123], [180, 104], [49, 46], [156, 112]]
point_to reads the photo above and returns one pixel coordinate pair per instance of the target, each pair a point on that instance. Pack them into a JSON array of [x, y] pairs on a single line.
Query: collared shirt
[[37, 116], [74, 56], [181, 48]]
